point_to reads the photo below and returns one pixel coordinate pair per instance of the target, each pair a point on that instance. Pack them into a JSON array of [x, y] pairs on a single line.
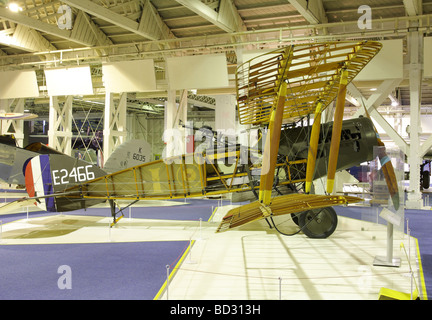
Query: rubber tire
[[318, 223]]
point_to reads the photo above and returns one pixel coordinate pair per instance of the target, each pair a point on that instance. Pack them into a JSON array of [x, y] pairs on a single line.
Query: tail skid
[[113, 205]]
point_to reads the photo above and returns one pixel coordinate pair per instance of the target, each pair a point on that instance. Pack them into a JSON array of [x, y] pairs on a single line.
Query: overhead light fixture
[[14, 7], [373, 89]]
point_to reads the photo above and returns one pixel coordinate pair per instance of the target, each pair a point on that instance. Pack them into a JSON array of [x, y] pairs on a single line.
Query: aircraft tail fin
[[39, 182], [51, 174], [129, 154]]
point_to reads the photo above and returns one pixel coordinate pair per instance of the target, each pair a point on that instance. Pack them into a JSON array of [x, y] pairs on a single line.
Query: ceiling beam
[[373, 102], [100, 38], [151, 21], [27, 39], [32, 23], [228, 14], [413, 7], [227, 18], [145, 29], [312, 11]]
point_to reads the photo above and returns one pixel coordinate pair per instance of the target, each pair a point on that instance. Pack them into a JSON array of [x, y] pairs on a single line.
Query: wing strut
[[272, 147], [313, 147], [337, 130]]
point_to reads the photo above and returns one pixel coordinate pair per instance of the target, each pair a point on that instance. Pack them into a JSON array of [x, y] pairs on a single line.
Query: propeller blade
[[389, 174], [387, 168]]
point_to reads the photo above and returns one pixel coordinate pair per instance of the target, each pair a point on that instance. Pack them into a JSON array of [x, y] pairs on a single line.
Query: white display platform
[[251, 262]]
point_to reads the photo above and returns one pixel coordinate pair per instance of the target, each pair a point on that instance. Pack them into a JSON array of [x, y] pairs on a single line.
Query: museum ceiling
[[39, 34]]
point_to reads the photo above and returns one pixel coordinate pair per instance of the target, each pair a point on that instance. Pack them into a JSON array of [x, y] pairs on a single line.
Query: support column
[[169, 134], [170, 109], [373, 102], [181, 120], [15, 127], [114, 123], [415, 45], [175, 116], [60, 124], [225, 124], [225, 112]]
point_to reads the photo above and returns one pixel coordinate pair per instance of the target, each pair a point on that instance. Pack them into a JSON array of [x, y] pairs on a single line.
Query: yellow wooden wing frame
[[287, 204], [312, 72]]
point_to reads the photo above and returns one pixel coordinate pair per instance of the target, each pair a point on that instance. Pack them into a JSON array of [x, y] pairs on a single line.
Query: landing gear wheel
[[318, 223]]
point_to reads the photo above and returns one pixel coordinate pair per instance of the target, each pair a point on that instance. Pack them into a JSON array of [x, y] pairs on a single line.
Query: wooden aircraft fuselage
[[224, 170]]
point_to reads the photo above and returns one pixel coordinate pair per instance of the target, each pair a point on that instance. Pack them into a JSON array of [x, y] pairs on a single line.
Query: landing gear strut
[[114, 213]]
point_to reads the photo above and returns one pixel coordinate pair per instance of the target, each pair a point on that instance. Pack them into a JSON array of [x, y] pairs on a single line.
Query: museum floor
[[131, 260]]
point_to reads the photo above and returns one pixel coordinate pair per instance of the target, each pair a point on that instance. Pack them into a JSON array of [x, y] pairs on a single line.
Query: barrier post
[[167, 281]]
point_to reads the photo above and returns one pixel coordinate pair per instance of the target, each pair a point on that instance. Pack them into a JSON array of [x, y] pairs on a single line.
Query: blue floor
[[97, 271], [113, 271]]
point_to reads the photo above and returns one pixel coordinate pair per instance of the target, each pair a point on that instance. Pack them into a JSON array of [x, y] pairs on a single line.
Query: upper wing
[[312, 70]]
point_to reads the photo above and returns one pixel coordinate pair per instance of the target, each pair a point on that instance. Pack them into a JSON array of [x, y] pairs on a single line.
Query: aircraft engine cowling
[[48, 174], [358, 139]]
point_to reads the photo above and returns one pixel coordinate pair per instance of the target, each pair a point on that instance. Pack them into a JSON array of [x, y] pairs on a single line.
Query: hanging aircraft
[[16, 116], [277, 92]]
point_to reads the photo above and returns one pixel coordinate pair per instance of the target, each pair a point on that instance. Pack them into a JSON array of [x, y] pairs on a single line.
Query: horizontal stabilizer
[[287, 204], [16, 206]]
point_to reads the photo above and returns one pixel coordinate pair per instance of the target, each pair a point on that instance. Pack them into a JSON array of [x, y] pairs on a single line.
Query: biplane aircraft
[[16, 115], [279, 92]]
